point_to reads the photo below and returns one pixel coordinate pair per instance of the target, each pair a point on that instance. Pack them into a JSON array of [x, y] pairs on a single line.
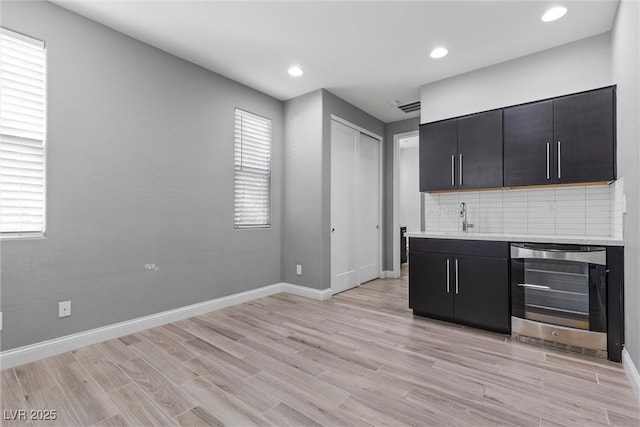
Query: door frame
[[381, 229], [395, 273]]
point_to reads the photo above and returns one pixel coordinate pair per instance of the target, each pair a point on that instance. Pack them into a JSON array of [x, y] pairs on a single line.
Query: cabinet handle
[[448, 273], [456, 277], [460, 181], [559, 163], [453, 165], [548, 156]]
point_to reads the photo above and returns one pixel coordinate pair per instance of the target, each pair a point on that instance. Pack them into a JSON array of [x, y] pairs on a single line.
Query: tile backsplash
[[590, 210]]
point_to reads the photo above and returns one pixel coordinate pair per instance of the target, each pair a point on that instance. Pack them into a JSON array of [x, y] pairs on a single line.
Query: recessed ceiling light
[[554, 13], [295, 71], [439, 52]]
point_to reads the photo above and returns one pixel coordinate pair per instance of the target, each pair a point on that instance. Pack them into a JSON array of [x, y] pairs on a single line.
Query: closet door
[[343, 203], [367, 208], [355, 207]]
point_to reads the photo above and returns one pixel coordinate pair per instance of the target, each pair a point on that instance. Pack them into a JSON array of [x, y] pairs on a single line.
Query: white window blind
[[252, 176], [22, 135]]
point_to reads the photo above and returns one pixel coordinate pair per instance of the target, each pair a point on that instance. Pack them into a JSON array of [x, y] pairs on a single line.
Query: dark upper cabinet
[[462, 153], [583, 130], [480, 150], [438, 149], [529, 152], [564, 140]]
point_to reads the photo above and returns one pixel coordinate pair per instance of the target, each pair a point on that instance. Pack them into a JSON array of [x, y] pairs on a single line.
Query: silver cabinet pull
[[453, 165], [448, 273], [548, 155], [559, 163], [456, 277], [460, 181]]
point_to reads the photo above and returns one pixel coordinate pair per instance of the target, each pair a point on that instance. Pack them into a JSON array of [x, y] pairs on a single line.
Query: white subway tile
[[449, 198], [539, 195]]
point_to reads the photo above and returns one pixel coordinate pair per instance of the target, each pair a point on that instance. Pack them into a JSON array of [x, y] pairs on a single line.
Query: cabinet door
[[480, 150], [438, 148], [429, 293], [584, 137], [481, 294], [529, 154]]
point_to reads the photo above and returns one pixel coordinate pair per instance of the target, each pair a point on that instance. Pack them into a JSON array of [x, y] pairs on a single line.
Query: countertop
[[530, 238]]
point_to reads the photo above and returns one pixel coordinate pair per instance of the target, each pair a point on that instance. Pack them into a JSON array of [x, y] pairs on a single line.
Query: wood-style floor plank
[[177, 373], [34, 376], [115, 421], [164, 340], [232, 384], [198, 417], [358, 359], [101, 368], [90, 404], [227, 360], [138, 408], [116, 351], [169, 397], [224, 407], [58, 360], [11, 397], [284, 415], [129, 339], [52, 398]]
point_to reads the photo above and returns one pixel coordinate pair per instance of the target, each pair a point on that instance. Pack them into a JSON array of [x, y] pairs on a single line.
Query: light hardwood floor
[[360, 358]]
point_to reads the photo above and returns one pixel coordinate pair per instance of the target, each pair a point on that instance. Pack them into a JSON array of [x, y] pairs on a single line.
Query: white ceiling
[[368, 53]]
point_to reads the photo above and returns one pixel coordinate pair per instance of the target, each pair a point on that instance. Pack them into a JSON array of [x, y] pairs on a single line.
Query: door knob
[[333, 229]]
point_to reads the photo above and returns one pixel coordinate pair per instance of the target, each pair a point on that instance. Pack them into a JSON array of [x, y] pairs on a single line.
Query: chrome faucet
[[463, 214]]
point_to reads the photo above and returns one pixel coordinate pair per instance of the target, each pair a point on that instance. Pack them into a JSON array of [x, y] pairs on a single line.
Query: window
[[252, 171], [22, 135]]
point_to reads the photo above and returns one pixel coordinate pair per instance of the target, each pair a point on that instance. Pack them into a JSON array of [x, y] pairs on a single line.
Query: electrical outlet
[[299, 269], [64, 308]]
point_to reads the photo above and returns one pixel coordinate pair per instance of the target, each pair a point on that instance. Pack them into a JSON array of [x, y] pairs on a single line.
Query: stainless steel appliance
[[559, 296]]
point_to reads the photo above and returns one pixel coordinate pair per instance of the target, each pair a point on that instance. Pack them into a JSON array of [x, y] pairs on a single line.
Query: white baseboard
[[317, 294], [31, 353], [390, 274], [632, 372]]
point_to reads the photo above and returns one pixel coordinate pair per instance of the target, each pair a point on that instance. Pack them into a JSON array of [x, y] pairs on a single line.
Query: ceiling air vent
[[410, 107]]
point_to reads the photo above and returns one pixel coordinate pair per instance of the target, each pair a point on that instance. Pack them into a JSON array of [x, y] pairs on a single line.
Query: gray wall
[[394, 128], [573, 67], [140, 170], [302, 201], [626, 72]]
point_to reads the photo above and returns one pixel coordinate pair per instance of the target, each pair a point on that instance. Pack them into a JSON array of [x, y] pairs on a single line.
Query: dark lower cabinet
[[430, 284], [449, 280], [482, 298]]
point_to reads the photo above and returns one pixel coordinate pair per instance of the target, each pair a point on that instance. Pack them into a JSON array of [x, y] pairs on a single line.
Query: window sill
[[22, 236]]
